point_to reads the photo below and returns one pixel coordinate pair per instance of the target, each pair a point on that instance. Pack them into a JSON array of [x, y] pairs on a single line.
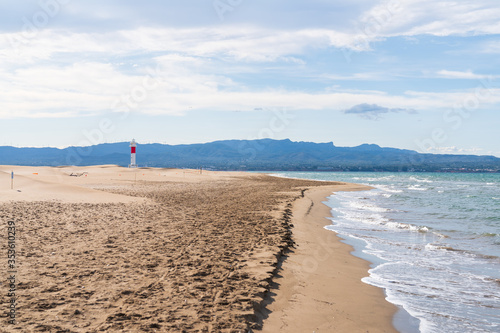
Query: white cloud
[[62, 73], [481, 96], [439, 18], [245, 41], [51, 91], [455, 150], [467, 75], [368, 76], [173, 83], [492, 47], [237, 43], [56, 72], [276, 29], [176, 85]]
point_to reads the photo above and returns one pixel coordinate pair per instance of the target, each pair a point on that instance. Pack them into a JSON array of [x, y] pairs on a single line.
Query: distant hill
[[263, 154]]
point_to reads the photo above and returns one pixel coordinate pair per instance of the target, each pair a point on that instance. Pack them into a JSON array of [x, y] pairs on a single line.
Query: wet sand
[[122, 250], [319, 287]]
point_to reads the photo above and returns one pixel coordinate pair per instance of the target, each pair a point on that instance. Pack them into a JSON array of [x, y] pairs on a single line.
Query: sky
[[413, 74]]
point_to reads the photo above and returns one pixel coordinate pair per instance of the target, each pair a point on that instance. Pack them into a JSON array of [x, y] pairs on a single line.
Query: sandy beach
[[318, 287], [113, 249]]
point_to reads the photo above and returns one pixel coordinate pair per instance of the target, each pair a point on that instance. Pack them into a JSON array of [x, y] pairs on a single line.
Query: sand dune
[[55, 184], [79, 184]]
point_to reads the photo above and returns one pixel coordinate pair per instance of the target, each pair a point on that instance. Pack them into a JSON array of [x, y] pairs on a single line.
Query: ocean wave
[[489, 279], [373, 218], [440, 247], [367, 207], [441, 235], [417, 188], [419, 180], [375, 179], [488, 234], [404, 226], [464, 253], [389, 189]]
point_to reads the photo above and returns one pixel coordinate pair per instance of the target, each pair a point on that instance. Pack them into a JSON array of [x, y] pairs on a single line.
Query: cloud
[[368, 76], [263, 31], [467, 75], [65, 70], [385, 17], [374, 111], [245, 44], [485, 94], [430, 17], [173, 83], [456, 150], [125, 14], [491, 47]]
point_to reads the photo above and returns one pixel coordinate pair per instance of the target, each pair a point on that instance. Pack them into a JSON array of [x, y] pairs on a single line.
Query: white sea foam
[[404, 226], [360, 217], [388, 188], [366, 206], [420, 180], [374, 179], [417, 188], [435, 247]]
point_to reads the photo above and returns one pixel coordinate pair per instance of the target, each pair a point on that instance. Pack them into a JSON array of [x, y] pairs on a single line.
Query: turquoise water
[[436, 240]]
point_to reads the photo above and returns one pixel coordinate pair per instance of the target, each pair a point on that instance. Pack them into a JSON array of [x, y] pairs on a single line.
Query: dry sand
[[129, 250]]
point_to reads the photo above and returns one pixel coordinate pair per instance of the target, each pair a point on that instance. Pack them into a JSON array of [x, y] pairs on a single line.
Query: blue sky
[[414, 74]]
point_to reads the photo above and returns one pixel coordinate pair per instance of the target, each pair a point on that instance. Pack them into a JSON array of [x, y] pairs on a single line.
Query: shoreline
[[318, 287]]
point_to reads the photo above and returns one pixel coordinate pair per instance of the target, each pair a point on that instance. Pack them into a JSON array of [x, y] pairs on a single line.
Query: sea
[[433, 240]]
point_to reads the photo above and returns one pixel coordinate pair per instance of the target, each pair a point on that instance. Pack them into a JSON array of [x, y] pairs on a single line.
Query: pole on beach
[[133, 147]]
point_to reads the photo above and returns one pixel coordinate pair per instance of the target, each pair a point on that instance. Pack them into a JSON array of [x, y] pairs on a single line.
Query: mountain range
[[265, 154]]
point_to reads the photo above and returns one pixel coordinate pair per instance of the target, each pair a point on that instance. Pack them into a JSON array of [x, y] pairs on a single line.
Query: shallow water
[[434, 239]]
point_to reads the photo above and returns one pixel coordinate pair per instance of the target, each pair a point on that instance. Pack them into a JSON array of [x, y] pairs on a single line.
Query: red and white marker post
[[133, 147]]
